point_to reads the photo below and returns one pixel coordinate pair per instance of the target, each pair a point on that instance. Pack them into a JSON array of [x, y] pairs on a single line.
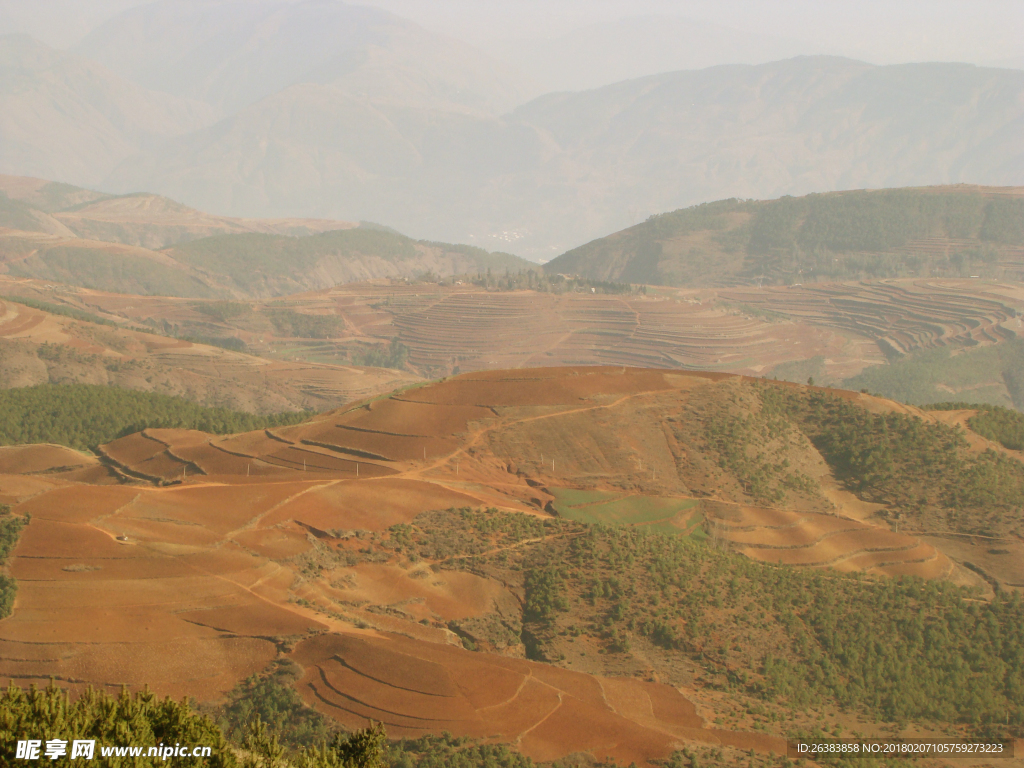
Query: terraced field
[[450, 329], [41, 347], [905, 316], [533, 441], [547, 712], [189, 561], [807, 539]]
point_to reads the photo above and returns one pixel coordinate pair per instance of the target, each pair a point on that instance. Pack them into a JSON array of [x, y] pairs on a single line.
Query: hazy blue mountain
[[232, 53], [569, 167], [70, 119], [608, 52]]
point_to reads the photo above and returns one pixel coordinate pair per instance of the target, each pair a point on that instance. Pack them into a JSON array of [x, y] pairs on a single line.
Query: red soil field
[[133, 449], [25, 459], [809, 539], [358, 445], [453, 595], [276, 543], [254, 619], [187, 587], [15, 489], [397, 416], [371, 505], [414, 687], [538, 387], [219, 508]]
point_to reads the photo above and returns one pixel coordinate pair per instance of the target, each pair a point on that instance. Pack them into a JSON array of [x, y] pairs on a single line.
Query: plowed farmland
[[459, 328], [316, 359], [41, 347], [322, 542]]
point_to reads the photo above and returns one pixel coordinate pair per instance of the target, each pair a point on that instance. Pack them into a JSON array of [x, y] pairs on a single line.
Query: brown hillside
[[39, 348], [458, 328], [216, 555], [151, 221]]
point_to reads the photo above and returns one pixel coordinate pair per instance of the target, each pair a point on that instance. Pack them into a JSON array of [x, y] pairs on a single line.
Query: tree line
[[82, 416]]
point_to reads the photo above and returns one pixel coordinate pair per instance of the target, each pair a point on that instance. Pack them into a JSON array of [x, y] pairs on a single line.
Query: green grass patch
[[603, 508], [60, 309], [572, 497]]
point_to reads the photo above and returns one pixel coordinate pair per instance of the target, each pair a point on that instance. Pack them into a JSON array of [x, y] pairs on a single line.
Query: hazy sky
[[881, 31], [988, 32]]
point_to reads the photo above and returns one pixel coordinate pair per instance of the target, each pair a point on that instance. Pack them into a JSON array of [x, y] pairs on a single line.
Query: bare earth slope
[[37, 347], [214, 556]]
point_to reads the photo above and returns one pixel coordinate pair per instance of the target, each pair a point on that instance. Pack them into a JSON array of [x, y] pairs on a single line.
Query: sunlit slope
[[942, 231], [189, 561], [521, 438], [80, 347]]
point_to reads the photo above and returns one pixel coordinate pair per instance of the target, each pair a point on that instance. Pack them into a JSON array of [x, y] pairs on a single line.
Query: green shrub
[[82, 416]]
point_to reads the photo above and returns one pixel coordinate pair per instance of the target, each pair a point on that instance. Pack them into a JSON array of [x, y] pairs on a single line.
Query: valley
[[521, 506]]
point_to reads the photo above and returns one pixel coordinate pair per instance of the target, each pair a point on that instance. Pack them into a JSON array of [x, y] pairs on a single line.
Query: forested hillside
[[274, 265], [894, 650], [937, 231], [83, 415], [925, 473], [992, 375]]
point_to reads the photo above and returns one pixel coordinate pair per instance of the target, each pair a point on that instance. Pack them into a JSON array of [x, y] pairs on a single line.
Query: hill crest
[[944, 231]]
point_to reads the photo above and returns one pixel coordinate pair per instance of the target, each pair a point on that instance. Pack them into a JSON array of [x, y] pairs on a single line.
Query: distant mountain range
[[68, 118], [319, 109], [233, 53]]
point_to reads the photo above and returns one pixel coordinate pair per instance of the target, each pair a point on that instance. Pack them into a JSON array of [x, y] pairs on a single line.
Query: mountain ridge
[[564, 168], [71, 119], [950, 231]]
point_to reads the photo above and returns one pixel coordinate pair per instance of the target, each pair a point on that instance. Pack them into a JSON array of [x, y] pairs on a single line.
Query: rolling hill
[[147, 244], [952, 231], [711, 610], [46, 343]]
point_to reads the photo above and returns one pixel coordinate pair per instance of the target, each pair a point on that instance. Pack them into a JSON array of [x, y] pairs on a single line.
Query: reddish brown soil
[[26, 459], [187, 587], [414, 687], [371, 505], [809, 539]]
